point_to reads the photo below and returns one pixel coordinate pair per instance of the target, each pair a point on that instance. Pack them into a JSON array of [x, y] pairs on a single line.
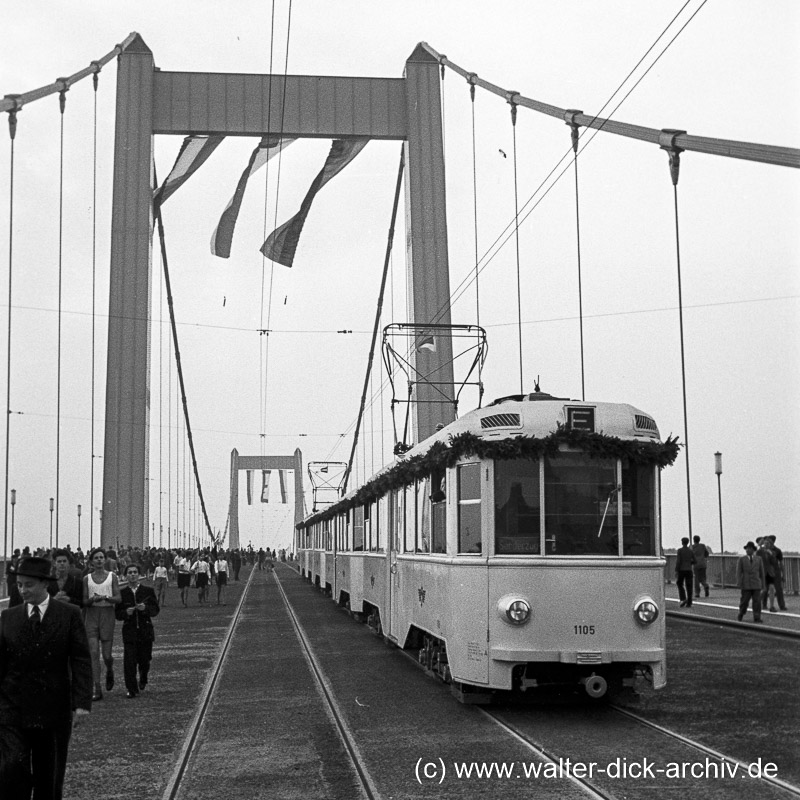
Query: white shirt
[[221, 565], [42, 607]]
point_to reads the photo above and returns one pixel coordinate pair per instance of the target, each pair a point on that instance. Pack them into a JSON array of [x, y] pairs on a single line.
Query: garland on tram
[[441, 456]]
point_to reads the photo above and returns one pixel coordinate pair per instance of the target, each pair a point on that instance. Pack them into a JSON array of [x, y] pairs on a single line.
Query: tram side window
[[411, 518], [469, 508], [369, 544], [398, 519], [381, 521], [438, 512], [358, 528], [344, 524], [638, 510], [423, 517], [517, 507], [580, 505]]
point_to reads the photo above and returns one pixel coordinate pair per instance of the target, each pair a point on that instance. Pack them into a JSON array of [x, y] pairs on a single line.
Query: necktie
[[36, 618]]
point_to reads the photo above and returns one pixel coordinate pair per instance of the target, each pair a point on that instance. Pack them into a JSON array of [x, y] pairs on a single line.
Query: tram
[[517, 550]]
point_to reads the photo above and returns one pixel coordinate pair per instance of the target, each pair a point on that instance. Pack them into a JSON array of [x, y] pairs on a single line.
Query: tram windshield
[[584, 502]]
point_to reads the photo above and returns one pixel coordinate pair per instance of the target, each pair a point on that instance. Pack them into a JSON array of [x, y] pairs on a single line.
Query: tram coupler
[[595, 685]]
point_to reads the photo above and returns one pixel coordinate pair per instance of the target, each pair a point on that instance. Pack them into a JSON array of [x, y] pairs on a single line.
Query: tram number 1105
[[584, 630]]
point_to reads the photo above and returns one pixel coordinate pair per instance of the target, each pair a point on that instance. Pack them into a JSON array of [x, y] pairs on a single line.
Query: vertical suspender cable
[[667, 142], [95, 81], [475, 216], [511, 97], [571, 114], [12, 131], [62, 101]]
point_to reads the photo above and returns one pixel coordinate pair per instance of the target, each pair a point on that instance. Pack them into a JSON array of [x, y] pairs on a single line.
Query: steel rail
[[326, 692], [729, 623], [174, 782], [14, 102], [536, 747], [667, 137], [708, 751]]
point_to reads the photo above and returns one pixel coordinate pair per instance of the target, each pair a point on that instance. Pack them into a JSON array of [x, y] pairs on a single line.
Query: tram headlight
[[645, 611], [514, 610]]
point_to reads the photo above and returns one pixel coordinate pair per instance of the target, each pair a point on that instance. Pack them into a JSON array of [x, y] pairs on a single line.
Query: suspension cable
[[516, 235], [475, 212], [674, 153], [179, 368], [574, 133], [62, 102], [12, 131], [95, 82]]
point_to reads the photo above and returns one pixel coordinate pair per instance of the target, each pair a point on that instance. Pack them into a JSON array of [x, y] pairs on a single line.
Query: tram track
[[176, 777], [789, 788], [332, 706]]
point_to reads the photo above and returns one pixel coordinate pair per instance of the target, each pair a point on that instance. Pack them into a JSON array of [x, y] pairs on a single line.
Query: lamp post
[[51, 522], [79, 526], [13, 506], [718, 471]]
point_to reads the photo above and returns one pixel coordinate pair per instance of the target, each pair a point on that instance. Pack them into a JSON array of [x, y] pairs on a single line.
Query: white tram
[[517, 549]]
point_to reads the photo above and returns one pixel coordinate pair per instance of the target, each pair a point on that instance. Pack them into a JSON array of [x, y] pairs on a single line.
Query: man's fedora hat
[[35, 567], [750, 544]]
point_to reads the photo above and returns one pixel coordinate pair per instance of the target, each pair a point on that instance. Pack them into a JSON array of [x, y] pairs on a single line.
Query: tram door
[[396, 521]]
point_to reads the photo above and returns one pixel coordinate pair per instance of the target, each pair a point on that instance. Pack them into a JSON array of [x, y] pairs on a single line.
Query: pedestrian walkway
[[723, 604]]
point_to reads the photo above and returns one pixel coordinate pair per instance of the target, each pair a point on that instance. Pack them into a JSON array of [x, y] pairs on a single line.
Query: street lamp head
[[13, 497], [51, 504], [718, 463], [79, 509]]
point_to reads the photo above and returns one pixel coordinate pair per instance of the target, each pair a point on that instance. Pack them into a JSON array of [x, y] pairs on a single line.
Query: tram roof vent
[[501, 421], [644, 423]]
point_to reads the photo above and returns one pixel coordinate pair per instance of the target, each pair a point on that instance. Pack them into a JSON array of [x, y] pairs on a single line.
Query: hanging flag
[[249, 487], [265, 473], [282, 480], [281, 244], [222, 237], [427, 343], [194, 152]]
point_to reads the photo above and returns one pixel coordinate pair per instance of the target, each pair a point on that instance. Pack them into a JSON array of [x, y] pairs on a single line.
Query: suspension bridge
[[123, 431]]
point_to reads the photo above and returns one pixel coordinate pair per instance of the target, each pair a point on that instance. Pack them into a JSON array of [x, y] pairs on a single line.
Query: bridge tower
[[151, 101]]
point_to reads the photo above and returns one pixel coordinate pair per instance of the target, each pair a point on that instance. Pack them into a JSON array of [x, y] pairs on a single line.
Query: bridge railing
[[721, 571]]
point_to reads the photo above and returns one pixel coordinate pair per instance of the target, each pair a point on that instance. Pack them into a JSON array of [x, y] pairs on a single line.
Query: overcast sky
[[732, 73]]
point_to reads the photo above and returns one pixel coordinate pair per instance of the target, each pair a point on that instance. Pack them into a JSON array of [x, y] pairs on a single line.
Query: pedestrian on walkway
[[684, 563], [701, 554], [201, 570], [45, 686], [160, 583], [100, 595], [221, 570], [750, 579], [183, 570], [779, 573], [136, 609], [770, 570]]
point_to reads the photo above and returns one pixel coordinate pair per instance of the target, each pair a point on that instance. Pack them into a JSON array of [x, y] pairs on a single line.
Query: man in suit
[[138, 607], [66, 585], [750, 579], [45, 686]]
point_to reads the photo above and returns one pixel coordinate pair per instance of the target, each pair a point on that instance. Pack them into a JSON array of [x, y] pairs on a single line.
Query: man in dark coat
[[138, 606], [751, 580], [66, 585], [45, 685]]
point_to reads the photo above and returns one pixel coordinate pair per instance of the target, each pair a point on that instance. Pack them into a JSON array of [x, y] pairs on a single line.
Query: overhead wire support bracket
[[420, 336], [569, 117], [16, 105]]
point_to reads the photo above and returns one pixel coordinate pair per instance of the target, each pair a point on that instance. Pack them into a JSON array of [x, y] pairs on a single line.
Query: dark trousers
[[700, 580], [747, 594], [34, 759], [136, 654], [685, 587], [779, 592]]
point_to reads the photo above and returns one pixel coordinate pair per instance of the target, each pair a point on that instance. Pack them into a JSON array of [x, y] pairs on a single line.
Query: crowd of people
[[71, 601], [759, 575]]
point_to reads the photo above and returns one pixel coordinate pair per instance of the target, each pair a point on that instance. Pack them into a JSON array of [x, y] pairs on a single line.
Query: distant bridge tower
[[256, 463], [152, 101]]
